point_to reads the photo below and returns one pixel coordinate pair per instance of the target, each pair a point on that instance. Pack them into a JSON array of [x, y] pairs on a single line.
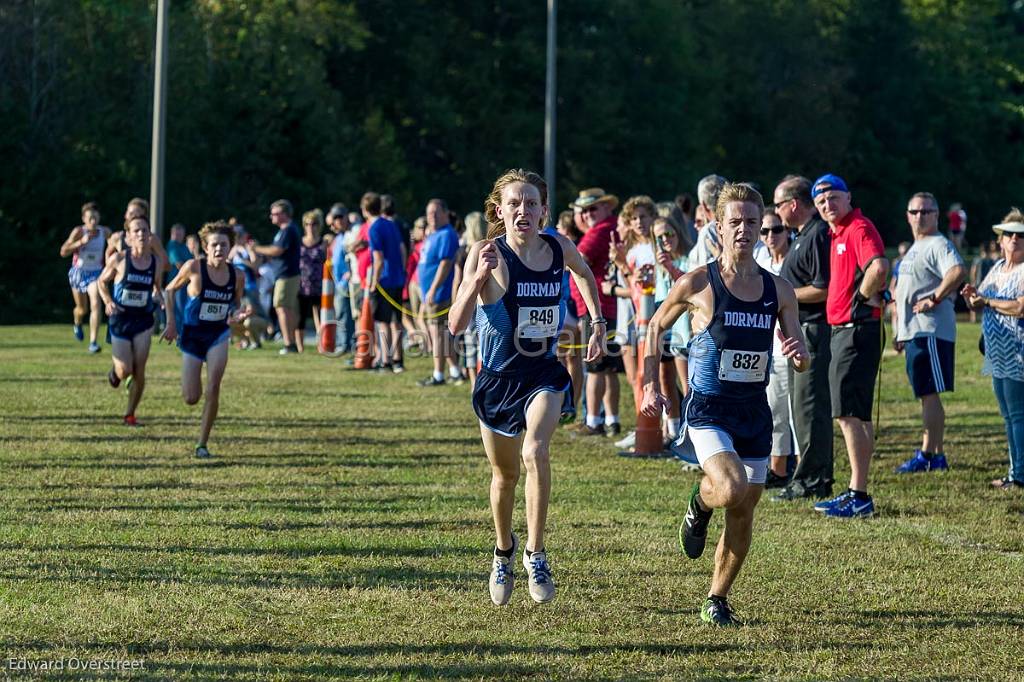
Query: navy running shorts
[[197, 342], [500, 399], [930, 365], [748, 423], [126, 326]]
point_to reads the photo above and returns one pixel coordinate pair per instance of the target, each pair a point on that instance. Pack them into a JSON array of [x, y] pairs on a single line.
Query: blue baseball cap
[[828, 183]]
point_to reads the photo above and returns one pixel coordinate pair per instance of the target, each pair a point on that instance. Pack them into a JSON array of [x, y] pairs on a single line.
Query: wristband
[[599, 320]]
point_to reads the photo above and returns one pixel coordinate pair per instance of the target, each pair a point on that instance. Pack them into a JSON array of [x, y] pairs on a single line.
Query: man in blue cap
[[858, 271]]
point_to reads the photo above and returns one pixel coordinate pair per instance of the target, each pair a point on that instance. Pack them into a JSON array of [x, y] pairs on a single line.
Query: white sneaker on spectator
[[627, 442]]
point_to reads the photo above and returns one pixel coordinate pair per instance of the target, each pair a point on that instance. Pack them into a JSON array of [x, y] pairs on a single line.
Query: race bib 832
[[743, 366]]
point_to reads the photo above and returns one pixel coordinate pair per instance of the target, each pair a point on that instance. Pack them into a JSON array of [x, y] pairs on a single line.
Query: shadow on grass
[[276, 422], [305, 507], [944, 619], [275, 460], [284, 551], [388, 577]]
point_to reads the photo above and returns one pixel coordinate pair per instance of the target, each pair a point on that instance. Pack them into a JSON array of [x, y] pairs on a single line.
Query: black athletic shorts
[[127, 326], [856, 353], [612, 359], [383, 309], [500, 399]]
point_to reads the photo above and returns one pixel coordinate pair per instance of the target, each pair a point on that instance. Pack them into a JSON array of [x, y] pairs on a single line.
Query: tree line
[[319, 100]]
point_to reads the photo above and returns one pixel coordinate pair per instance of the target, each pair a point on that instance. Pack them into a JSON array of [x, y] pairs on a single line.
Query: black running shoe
[[716, 611], [614, 429], [113, 379], [775, 481], [693, 531]]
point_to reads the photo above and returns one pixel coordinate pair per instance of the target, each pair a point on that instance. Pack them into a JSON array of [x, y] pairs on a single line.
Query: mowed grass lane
[[343, 531]]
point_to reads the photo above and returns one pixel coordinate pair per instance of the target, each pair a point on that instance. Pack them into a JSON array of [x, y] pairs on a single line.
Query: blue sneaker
[[920, 463], [852, 508], [94, 348], [826, 505], [79, 334], [915, 465]]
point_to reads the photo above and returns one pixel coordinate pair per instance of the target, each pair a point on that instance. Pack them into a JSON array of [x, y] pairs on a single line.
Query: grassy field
[[343, 531]]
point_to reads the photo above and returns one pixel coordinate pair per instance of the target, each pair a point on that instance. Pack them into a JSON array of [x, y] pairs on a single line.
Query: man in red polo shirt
[[858, 275], [602, 381]]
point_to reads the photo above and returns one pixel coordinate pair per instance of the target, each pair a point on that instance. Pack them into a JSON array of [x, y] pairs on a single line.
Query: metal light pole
[[550, 108], [156, 173]]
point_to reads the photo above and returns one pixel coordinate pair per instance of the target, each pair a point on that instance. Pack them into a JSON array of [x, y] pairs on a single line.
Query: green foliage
[[318, 101]]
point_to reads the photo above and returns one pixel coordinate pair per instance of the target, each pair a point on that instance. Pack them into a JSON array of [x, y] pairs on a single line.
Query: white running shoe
[[627, 442], [502, 578], [542, 586]]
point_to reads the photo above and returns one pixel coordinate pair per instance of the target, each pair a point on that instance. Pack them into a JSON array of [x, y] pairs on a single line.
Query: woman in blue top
[[214, 290], [1001, 295], [136, 273], [513, 281]]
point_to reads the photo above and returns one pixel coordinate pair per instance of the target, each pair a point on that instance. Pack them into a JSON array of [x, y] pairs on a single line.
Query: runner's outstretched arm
[[674, 305], [180, 280]]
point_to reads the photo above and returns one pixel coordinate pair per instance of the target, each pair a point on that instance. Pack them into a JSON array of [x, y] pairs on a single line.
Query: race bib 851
[[213, 312]]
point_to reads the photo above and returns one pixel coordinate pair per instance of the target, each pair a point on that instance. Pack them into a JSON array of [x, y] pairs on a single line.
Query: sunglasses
[[1013, 235], [921, 211], [778, 229]]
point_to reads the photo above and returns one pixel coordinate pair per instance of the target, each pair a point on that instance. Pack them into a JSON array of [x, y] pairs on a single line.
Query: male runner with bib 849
[[727, 419], [513, 280]]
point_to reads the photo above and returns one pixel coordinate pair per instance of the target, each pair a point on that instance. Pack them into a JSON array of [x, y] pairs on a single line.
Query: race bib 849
[[538, 322]]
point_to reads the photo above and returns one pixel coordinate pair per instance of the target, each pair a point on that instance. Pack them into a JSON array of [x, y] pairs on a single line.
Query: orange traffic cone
[[328, 323], [364, 334], [648, 429]]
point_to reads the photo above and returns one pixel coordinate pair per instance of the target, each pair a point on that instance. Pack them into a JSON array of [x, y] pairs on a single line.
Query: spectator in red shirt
[[957, 225], [858, 275], [598, 209]]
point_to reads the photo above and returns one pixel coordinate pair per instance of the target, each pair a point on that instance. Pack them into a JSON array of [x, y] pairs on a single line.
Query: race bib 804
[[743, 366], [134, 299], [538, 322]]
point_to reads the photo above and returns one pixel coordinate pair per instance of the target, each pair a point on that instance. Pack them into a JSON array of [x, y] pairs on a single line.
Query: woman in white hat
[[1001, 295]]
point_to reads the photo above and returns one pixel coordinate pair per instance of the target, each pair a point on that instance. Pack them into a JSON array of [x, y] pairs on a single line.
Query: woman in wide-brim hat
[[1001, 295]]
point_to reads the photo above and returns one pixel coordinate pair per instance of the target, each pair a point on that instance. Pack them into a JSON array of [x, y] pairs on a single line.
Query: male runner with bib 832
[[214, 289], [727, 418], [513, 280]]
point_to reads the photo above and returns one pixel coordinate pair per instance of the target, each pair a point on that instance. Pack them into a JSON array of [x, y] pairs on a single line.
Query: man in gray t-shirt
[[925, 323]]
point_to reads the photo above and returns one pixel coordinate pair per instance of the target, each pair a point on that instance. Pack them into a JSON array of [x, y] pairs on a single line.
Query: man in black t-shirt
[[806, 267]]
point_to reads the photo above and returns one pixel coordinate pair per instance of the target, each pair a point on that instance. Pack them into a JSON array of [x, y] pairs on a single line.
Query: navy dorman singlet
[[732, 357]]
